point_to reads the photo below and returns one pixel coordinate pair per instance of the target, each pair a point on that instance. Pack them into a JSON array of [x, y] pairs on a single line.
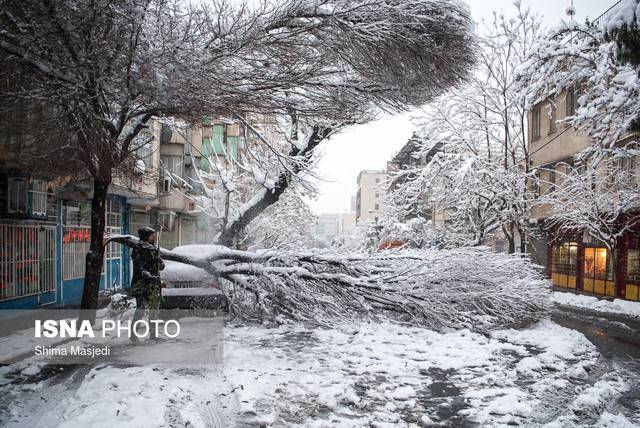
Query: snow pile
[[617, 306]]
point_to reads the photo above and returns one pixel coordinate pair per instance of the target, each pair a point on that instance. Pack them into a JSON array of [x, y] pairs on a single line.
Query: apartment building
[[370, 196], [45, 219], [45, 231], [574, 261], [411, 156], [190, 157], [327, 227]]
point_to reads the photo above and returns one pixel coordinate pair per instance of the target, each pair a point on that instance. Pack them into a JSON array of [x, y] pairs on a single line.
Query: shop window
[[632, 286], [598, 271], [564, 262]]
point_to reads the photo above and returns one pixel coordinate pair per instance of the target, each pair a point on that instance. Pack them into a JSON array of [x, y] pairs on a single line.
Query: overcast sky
[[370, 146]]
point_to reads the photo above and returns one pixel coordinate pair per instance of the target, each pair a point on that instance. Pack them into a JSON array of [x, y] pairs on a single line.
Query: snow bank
[[617, 306]]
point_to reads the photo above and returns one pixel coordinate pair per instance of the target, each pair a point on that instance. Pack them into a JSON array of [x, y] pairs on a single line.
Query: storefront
[[584, 266]]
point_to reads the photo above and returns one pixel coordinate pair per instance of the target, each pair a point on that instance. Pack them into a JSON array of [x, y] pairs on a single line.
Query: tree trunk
[[509, 235], [270, 196], [523, 241], [94, 258]]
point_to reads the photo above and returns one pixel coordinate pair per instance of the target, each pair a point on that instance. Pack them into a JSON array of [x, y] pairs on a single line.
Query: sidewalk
[[617, 306], [613, 326]]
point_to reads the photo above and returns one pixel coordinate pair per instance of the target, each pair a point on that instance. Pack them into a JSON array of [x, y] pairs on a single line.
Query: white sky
[[370, 146]]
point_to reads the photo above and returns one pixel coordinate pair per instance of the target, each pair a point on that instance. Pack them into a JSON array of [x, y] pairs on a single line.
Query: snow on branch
[[468, 288]]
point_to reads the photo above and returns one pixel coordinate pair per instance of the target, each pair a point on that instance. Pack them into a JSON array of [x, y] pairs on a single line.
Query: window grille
[[27, 260]]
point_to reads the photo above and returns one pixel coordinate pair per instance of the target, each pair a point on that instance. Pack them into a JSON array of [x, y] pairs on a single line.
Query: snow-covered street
[[319, 213], [360, 375]]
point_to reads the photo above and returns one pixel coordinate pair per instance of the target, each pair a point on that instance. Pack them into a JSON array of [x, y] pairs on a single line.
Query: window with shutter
[[218, 139]]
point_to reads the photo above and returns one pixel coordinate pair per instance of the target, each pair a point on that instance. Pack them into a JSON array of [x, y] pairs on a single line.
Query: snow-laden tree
[[465, 288], [105, 68], [601, 201], [478, 176], [286, 225], [592, 61], [415, 232], [477, 196]]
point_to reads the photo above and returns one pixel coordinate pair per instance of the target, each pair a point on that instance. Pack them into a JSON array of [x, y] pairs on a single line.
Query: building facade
[[575, 261], [370, 196], [412, 156], [45, 230], [327, 227], [45, 220]]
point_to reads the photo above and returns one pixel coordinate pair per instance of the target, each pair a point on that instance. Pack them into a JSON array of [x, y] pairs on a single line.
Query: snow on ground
[[22, 342], [364, 375], [617, 306]]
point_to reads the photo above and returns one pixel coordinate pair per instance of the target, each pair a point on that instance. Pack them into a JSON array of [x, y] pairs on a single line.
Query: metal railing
[[27, 260], [75, 245]]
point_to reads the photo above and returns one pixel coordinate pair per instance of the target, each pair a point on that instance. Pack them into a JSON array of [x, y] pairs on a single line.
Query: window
[[535, 124], [232, 147], [564, 261], [571, 102], [17, 195], [626, 167], [597, 264], [38, 198], [552, 179], [114, 215], [145, 153], [166, 185], [633, 266], [76, 213], [377, 181], [552, 119], [377, 207], [598, 271], [535, 183], [217, 140], [564, 258], [175, 164]]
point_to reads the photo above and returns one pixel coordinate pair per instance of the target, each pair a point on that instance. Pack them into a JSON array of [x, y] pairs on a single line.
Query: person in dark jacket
[[145, 282]]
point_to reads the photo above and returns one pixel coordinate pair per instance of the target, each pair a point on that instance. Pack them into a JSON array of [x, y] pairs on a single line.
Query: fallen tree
[[466, 288]]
